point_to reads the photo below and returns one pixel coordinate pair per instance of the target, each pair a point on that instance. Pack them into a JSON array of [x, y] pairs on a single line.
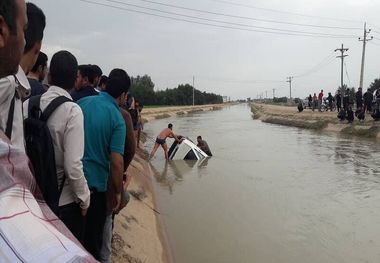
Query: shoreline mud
[[139, 230], [150, 114], [315, 120]]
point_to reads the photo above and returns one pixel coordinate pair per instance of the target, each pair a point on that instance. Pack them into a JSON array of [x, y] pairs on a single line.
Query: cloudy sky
[[227, 56]]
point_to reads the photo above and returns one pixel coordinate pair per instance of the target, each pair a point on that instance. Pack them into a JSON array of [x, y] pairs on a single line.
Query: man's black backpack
[[40, 149]]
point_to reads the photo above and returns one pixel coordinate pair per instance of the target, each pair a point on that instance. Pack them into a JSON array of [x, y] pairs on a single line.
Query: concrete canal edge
[[319, 121], [151, 114]]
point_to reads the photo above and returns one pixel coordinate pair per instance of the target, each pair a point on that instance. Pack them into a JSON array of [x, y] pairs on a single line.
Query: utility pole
[[365, 39], [193, 91], [266, 94], [342, 56], [289, 80], [274, 90]]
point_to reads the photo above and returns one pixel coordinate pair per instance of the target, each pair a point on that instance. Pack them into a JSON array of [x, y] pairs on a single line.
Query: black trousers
[[345, 104], [367, 107], [95, 219], [71, 216], [338, 107]]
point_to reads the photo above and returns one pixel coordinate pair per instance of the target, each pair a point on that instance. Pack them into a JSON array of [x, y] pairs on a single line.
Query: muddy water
[[270, 193]]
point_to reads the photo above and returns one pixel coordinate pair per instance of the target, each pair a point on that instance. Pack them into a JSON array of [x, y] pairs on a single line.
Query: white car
[[186, 150]]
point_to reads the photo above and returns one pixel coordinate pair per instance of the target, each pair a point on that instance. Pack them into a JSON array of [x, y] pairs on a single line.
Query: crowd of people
[[345, 104], [79, 129]]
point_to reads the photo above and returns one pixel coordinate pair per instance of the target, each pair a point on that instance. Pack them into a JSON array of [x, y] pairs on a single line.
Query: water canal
[[270, 193]]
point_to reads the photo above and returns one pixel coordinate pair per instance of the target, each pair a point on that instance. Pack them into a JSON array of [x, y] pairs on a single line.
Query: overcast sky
[[229, 62]]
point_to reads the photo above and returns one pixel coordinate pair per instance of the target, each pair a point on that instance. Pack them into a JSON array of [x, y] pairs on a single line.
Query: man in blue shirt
[[105, 131]]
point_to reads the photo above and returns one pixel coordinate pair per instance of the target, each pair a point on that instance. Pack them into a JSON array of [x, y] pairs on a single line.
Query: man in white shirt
[[66, 128], [13, 21], [12, 90], [15, 89], [19, 191]]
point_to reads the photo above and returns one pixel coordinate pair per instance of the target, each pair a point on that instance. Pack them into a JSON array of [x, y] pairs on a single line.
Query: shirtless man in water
[[161, 140]]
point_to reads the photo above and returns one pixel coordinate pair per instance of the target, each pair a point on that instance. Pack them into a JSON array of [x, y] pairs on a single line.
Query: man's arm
[[117, 167], [73, 143], [206, 146], [172, 135], [141, 122], [117, 151], [130, 141]]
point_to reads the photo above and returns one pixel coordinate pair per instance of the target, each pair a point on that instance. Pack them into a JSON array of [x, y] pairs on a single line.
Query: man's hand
[[117, 178], [117, 202], [83, 211]]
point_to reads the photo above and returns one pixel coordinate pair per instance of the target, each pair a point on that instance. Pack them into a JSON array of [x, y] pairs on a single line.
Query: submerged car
[[185, 150]]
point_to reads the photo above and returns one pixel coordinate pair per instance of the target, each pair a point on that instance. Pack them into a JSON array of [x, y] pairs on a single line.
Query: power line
[[213, 25], [232, 81], [375, 26], [239, 81], [245, 17], [342, 56], [325, 62], [289, 13], [365, 39], [374, 43], [226, 22], [348, 78]]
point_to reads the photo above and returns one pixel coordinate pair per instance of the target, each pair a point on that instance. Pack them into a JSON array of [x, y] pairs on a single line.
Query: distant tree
[[352, 93], [143, 89], [375, 85], [280, 100]]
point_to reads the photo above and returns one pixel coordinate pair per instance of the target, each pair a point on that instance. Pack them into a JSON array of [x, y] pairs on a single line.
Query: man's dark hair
[[103, 80], [63, 70], [97, 71], [118, 83], [36, 26], [87, 71], [41, 61], [9, 12], [199, 137], [170, 125]]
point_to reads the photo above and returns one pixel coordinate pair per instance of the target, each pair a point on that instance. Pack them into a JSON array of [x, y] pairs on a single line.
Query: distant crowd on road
[[345, 104]]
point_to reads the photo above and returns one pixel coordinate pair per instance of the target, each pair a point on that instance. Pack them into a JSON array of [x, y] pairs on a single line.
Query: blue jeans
[[106, 249]]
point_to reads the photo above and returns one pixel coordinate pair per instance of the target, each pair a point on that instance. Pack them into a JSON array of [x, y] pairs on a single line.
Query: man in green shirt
[[104, 130]]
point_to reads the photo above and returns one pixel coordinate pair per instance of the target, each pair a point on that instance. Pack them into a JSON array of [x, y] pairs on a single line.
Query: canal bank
[[156, 113], [314, 120], [139, 231]]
